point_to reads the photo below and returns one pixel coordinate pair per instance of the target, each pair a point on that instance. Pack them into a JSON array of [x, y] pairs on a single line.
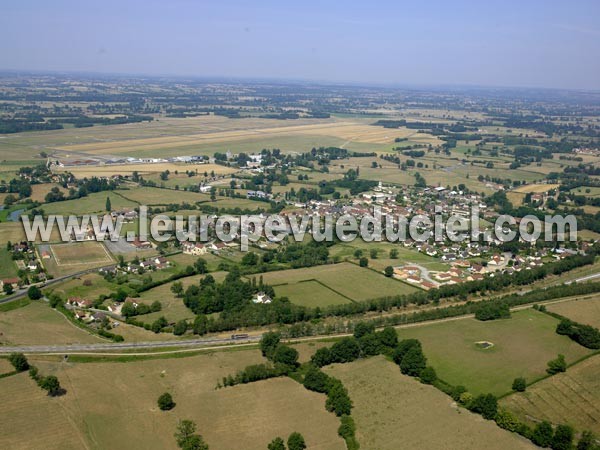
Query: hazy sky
[[499, 43]]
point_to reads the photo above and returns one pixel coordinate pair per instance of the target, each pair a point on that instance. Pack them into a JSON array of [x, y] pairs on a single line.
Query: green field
[[346, 279], [7, 266], [93, 203], [522, 346], [310, 294], [582, 310]]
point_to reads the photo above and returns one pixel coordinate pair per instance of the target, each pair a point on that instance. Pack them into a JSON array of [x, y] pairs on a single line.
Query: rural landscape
[[128, 339]]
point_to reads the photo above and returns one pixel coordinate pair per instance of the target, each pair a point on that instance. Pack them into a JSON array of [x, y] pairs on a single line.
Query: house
[[262, 298], [79, 302], [194, 248], [141, 244], [14, 282]]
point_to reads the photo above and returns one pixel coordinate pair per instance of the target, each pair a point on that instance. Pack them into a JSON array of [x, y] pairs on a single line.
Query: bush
[[428, 375], [338, 400], [34, 293], [506, 420], [486, 405], [165, 402], [322, 357], [345, 350], [286, 355], [51, 384], [347, 431], [413, 362], [563, 438], [557, 365], [296, 442], [542, 434], [316, 380], [19, 362], [519, 384]]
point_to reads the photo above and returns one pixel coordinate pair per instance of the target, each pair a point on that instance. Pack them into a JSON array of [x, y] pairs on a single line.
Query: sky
[[526, 43]]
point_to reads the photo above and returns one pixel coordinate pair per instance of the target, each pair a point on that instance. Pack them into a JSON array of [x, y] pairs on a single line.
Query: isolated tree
[[363, 262], [108, 206], [389, 271], [276, 444], [186, 439], [165, 402], [177, 288], [201, 266], [19, 362], [34, 293], [51, 384], [373, 253], [394, 253], [358, 253], [296, 442], [269, 342], [542, 434], [519, 384], [563, 438]]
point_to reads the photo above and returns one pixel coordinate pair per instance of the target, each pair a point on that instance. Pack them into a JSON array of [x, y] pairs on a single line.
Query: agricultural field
[[93, 203], [39, 191], [158, 196], [522, 345], [91, 401], [572, 397], [346, 279], [582, 310], [393, 411], [38, 324], [311, 294]]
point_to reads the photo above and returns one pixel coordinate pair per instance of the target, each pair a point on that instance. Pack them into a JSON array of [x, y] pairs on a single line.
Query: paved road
[[198, 344]]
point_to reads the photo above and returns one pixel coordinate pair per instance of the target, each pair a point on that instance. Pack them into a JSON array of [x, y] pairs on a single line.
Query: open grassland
[[76, 287], [348, 280], [583, 310], [93, 203], [247, 416], [14, 232], [38, 324], [158, 196], [394, 411], [572, 397], [172, 307], [25, 404], [535, 188], [522, 346], [310, 294], [80, 253], [5, 366], [8, 269], [588, 191]]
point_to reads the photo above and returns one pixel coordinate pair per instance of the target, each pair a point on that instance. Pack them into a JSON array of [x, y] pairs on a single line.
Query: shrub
[[486, 405], [519, 384], [557, 365], [542, 434], [19, 362], [165, 402], [428, 375]]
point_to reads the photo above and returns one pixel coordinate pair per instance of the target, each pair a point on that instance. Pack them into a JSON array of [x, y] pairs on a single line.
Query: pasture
[[582, 310], [522, 346], [92, 203], [108, 170], [8, 269], [96, 390], [38, 324], [393, 411], [347, 280], [310, 293], [572, 397], [172, 307]]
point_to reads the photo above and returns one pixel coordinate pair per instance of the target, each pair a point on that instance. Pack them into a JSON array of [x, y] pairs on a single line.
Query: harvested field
[[394, 411], [583, 310], [260, 411], [572, 397], [144, 169], [38, 324]]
